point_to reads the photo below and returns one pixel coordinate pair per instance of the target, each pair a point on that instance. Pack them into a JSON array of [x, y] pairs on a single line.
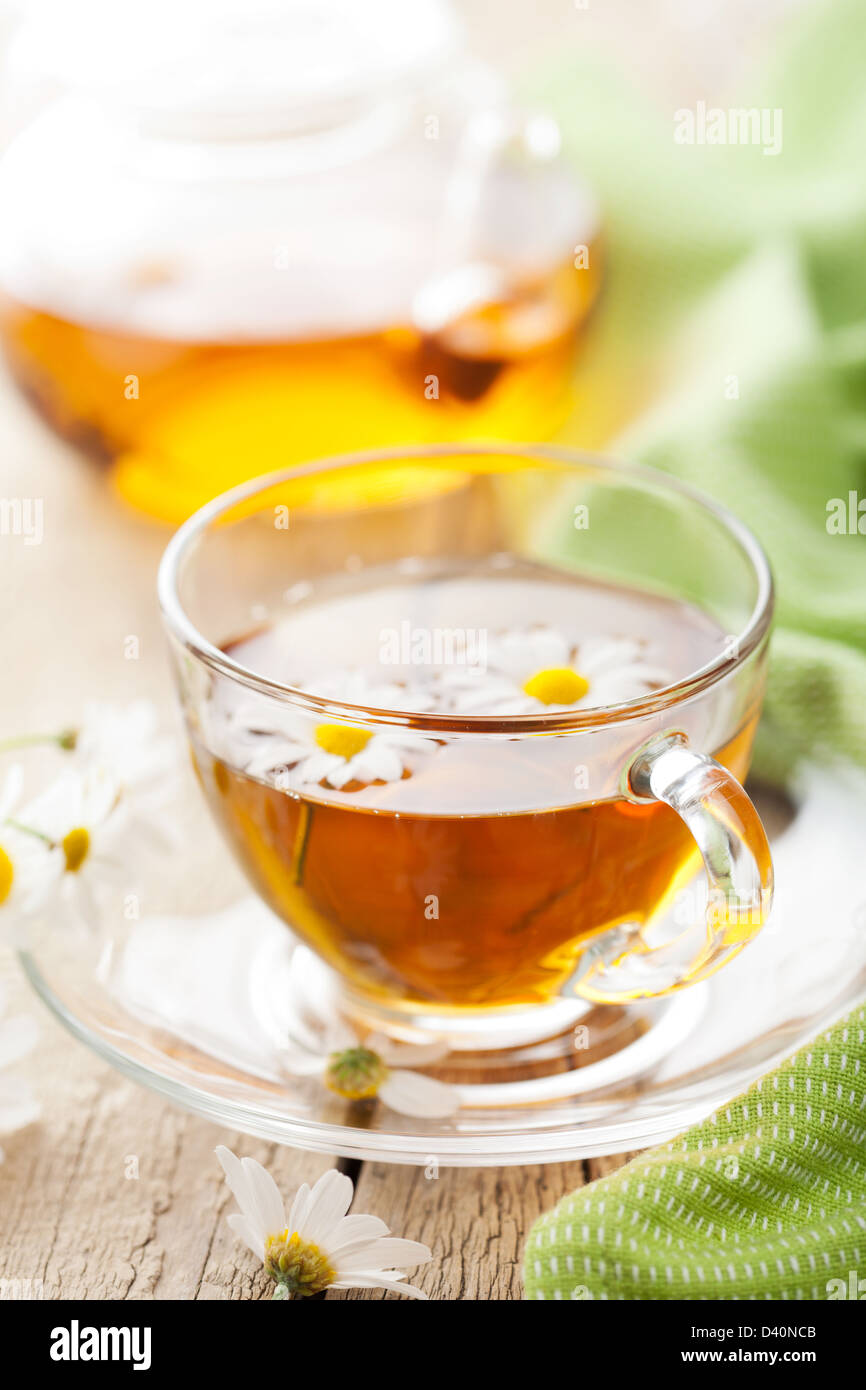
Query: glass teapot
[[238, 235]]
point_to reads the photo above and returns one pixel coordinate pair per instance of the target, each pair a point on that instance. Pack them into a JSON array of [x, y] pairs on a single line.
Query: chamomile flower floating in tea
[[295, 751], [317, 1246], [376, 1067], [524, 672], [18, 1106], [541, 669]]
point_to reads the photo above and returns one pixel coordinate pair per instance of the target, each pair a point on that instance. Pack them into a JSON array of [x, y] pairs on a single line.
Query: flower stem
[[65, 739], [302, 839], [30, 830]]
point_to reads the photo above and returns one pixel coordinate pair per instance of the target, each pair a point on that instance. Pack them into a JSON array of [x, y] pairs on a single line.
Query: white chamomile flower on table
[[79, 815], [29, 867], [317, 1246], [30, 870], [126, 741], [357, 1069], [106, 803], [18, 1106], [295, 751], [537, 669]]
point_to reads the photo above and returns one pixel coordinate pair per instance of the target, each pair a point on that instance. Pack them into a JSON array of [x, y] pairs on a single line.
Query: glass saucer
[[200, 995]]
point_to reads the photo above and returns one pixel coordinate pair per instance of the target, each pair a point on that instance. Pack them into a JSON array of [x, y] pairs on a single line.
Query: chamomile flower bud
[[356, 1073]]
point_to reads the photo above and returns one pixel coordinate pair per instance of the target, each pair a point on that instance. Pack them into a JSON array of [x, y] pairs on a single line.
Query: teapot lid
[[230, 68]]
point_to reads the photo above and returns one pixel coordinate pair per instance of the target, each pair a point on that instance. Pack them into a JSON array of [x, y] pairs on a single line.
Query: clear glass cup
[[479, 867]]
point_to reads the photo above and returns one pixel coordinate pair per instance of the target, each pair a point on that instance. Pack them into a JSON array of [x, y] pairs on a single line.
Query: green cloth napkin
[[730, 349], [766, 1199], [730, 343]]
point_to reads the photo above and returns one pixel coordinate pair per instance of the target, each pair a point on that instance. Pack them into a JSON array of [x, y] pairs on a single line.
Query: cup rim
[[181, 627]]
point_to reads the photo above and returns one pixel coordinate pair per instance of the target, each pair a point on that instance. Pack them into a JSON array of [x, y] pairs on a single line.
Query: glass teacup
[[472, 718]]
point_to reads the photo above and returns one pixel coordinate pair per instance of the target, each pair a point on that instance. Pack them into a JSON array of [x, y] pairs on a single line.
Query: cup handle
[[625, 963]]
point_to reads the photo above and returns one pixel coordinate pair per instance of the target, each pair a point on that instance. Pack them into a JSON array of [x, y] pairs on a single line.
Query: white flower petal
[[408, 742], [99, 795], [245, 1232], [36, 869], [352, 1231], [406, 1054], [269, 718], [377, 763], [11, 792], [342, 774], [126, 741], [485, 695], [329, 1202], [76, 799], [300, 1208], [411, 1093], [650, 676], [234, 1173], [301, 1063], [319, 765], [522, 654], [265, 1196], [601, 654], [521, 704], [272, 754], [238, 1182], [374, 1280], [388, 1252], [619, 686]]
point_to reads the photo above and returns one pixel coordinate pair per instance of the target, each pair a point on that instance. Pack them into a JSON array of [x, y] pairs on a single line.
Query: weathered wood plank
[[115, 1194], [474, 1220], [607, 1164]]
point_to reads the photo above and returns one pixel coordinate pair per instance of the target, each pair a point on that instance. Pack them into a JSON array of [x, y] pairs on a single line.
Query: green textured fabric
[[766, 1199], [730, 343], [730, 349]]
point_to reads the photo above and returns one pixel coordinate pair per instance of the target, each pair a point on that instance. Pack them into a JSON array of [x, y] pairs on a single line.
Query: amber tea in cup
[[473, 747]]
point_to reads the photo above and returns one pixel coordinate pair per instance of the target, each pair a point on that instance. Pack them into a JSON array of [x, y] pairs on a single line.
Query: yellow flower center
[[355, 1074], [76, 847], [557, 686], [342, 740], [7, 875], [297, 1264]]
